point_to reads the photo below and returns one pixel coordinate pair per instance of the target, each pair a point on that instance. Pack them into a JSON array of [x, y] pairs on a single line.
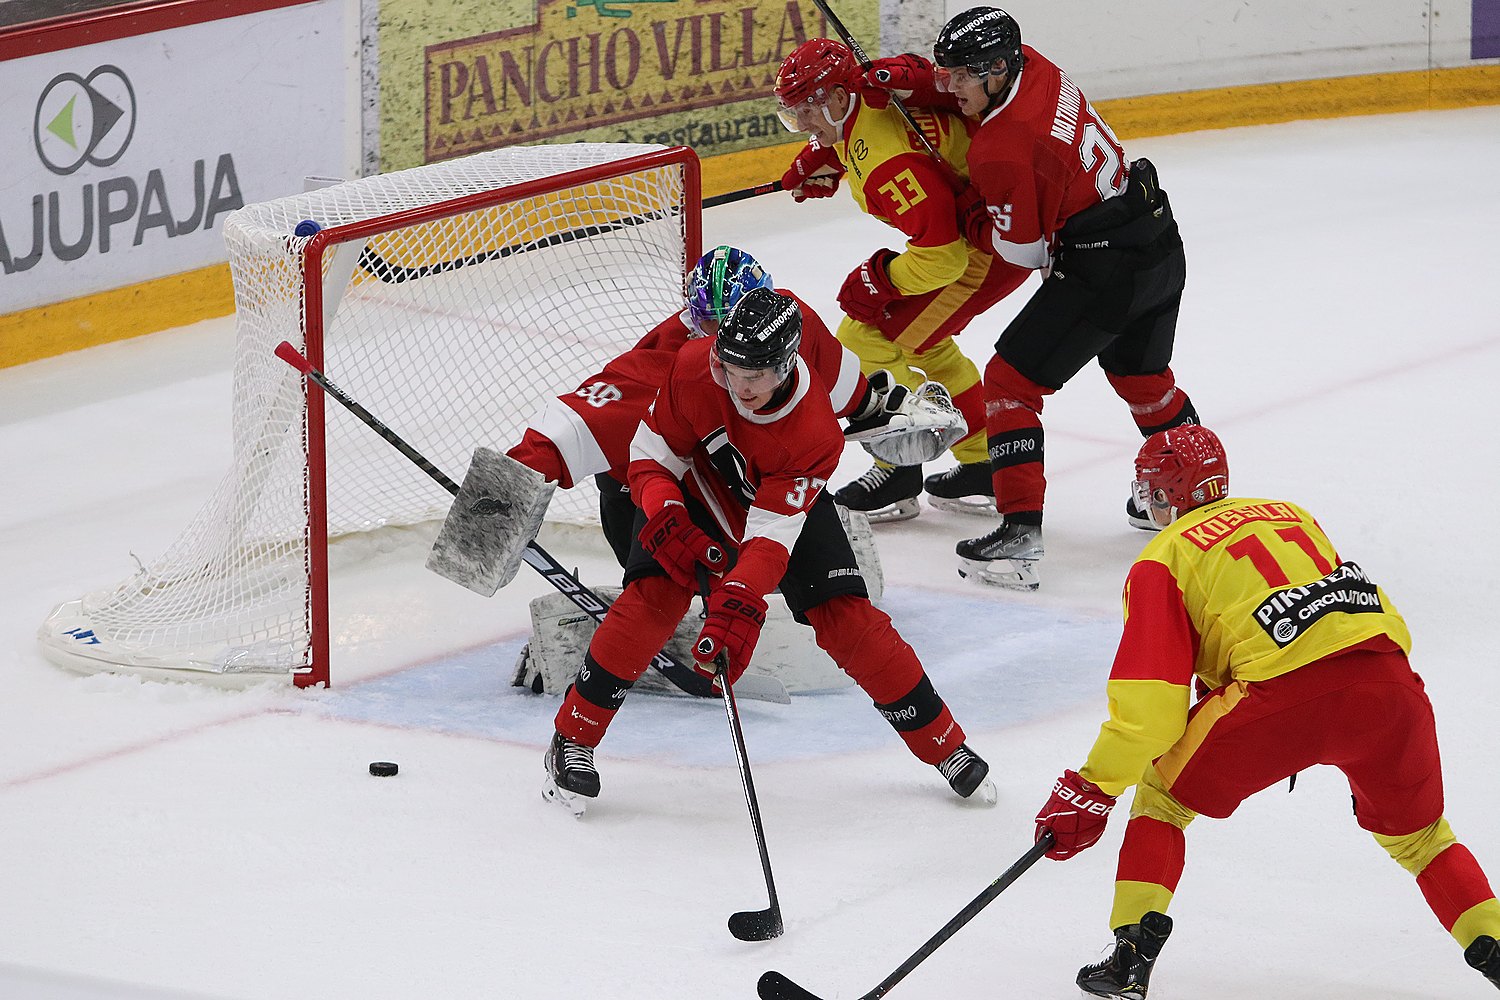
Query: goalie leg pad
[[497, 513]]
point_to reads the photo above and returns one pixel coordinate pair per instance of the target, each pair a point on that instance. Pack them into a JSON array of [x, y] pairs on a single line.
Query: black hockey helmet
[[763, 331], [978, 38]]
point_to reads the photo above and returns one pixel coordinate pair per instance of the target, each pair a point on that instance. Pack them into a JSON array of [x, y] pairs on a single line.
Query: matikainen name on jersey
[[1288, 613]]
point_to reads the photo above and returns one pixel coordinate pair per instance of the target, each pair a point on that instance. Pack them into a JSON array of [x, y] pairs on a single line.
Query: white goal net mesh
[[452, 328]]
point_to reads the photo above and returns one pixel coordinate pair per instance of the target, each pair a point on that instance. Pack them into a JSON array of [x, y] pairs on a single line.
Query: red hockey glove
[[904, 73], [974, 219], [868, 289], [735, 617], [1076, 814], [814, 173], [679, 546]]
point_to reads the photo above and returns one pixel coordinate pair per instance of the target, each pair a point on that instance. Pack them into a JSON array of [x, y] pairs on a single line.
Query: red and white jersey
[[1040, 157], [757, 471], [592, 426]]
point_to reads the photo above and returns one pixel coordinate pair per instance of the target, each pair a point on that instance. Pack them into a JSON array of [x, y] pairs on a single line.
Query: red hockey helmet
[[810, 73], [1181, 468]]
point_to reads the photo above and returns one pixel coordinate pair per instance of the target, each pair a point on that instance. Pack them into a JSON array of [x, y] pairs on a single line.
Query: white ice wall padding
[[458, 356]]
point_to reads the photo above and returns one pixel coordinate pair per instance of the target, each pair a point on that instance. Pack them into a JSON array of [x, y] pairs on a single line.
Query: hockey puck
[[383, 768]]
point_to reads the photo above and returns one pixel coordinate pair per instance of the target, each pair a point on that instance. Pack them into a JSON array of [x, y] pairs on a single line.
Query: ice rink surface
[[1340, 330]]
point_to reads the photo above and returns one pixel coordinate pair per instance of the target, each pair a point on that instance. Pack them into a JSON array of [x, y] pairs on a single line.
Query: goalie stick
[[747, 925], [685, 678], [775, 986]]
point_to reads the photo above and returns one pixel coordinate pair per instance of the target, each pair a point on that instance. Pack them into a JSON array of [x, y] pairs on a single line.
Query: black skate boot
[[1484, 955], [967, 773], [1006, 557], [1126, 973], [1139, 518], [885, 493], [571, 774], [967, 489]]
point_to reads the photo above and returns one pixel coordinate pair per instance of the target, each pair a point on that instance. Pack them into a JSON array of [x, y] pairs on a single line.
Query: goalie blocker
[[496, 514]]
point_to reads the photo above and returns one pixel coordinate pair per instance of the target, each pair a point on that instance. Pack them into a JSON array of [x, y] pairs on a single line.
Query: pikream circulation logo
[[84, 120]]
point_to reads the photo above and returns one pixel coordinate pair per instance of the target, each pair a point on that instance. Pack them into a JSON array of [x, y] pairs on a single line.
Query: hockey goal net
[[451, 300]]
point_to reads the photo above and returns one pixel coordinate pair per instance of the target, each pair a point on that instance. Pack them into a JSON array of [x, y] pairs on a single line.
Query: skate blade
[[985, 796], [570, 801], [903, 510], [979, 506], [1011, 574]]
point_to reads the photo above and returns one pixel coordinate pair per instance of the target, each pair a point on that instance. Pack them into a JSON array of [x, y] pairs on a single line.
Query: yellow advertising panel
[[459, 76]]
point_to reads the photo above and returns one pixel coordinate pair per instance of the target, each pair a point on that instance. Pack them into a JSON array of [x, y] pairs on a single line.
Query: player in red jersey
[[1299, 659], [587, 432], [728, 471], [903, 307], [1051, 190]]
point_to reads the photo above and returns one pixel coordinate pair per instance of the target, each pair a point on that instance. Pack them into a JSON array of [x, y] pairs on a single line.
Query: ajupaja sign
[[90, 121], [694, 72], [126, 155]]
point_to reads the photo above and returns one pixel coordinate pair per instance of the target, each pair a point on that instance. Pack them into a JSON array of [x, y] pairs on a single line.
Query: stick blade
[[756, 925], [775, 986]]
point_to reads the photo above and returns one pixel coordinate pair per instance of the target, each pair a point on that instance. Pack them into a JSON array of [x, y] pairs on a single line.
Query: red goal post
[[451, 300]]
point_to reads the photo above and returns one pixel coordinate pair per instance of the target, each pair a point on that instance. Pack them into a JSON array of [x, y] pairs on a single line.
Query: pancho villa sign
[[697, 72]]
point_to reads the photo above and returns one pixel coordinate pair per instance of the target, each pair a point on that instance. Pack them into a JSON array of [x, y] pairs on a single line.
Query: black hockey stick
[[864, 64], [591, 604], [775, 986], [742, 194], [747, 925]]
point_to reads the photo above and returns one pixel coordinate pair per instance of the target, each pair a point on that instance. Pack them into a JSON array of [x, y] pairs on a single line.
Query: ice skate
[[1126, 973], [1006, 557], [969, 776], [884, 493], [571, 774], [1484, 955], [966, 489], [1138, 517]]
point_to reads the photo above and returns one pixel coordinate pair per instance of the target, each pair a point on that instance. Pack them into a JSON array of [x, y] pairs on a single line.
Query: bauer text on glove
[[679, 546], [869, 290], [1076, 813], [735, 617], [814, 173]]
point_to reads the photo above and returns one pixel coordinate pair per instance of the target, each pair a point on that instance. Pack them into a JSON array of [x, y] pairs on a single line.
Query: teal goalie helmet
[[717, 283]]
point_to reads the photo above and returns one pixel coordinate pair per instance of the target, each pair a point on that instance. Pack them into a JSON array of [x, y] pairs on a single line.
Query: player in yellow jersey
[[903, 308], [1298, 659]]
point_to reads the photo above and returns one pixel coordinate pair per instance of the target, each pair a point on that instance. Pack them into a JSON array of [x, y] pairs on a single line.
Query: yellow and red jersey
[[892, 177], [1236, 590]]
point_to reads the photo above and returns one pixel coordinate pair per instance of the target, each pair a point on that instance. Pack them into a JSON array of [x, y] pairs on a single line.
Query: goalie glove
[[679, 546], [736, 615], [906, 427]]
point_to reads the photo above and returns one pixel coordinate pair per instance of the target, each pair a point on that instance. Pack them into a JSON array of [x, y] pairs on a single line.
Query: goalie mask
[[1179, 469], [717, 283], [806, 80], [758, 340]]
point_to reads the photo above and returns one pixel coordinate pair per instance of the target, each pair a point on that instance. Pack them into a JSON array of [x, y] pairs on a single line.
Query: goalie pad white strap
[[920, 429], [497, 513]]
